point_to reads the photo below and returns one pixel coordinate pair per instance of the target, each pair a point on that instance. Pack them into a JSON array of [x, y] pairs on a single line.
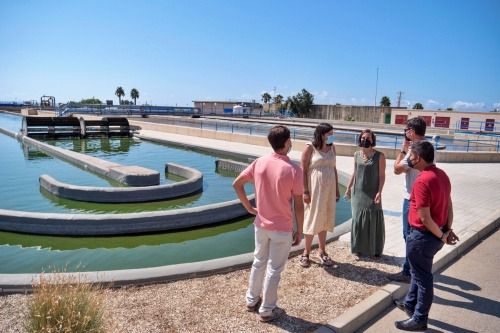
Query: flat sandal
[[305, 261], [325, 260]]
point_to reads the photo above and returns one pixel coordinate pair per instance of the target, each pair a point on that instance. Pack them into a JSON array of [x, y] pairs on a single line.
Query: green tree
[[266, 97], [385, 101], [418, 106], [120, 93], [92, 100], [278, 101], [449, 109], [134, 94], [301, 103]]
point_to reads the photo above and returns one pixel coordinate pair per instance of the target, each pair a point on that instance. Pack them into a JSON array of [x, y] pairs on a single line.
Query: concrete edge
[[8, 133], [129, 175], [381, 299], [22, 283], [192, 184]]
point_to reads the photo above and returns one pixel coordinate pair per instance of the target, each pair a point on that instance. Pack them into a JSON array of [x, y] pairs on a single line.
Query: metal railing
[[347, 137], [128, 110]]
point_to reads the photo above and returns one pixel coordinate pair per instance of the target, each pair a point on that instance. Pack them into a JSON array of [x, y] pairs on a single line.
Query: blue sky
[[440, 53]]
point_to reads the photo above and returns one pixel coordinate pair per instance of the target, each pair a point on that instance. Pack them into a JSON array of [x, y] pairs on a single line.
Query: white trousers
[[271, 252]]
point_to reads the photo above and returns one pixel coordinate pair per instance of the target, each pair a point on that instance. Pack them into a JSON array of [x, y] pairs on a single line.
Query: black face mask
[[365, 144], [410, 163]]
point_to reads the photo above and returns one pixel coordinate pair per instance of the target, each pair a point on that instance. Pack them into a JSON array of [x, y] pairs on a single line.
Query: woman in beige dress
[[321, 192]]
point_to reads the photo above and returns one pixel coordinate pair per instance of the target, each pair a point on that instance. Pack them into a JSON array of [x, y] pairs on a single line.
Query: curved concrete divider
[[119, 224], [193, 184], [20, 283]]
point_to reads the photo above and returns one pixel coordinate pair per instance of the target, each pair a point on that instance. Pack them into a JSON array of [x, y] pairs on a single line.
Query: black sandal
[[325, 260], [304, 261]]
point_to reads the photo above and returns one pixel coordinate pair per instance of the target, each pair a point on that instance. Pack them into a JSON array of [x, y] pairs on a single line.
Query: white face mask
[[329, 139]]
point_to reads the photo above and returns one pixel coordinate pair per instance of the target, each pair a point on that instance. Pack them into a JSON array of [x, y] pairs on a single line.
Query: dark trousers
[[406, 233], [421, 246]]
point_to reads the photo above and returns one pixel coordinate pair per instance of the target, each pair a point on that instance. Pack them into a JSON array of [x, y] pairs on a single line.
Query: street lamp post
[[375, 102]]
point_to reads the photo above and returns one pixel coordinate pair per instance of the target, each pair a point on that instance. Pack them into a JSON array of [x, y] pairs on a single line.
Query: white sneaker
[[275, 314]]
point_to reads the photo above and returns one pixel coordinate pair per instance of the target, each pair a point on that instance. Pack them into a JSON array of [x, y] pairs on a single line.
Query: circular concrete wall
[[193, 184]]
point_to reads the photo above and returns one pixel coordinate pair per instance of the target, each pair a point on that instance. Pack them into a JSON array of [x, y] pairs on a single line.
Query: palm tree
[[266, 97], [418, 106], [134, 94], [385, 101], [120, 93], [278, 100]]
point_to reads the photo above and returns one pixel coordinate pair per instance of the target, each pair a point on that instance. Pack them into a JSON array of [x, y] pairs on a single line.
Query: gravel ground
[[311, 296]]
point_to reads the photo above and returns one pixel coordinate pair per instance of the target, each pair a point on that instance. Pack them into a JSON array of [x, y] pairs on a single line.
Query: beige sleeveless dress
[[319, 215]]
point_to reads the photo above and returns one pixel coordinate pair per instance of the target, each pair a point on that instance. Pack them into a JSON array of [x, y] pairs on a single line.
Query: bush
[[62, 304]]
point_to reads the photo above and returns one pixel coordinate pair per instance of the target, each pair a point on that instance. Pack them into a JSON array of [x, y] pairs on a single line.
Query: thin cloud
[[468, 106], [432, 104]]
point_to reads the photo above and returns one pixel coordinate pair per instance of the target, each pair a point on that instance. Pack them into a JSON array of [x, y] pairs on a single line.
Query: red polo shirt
[[431, 189]]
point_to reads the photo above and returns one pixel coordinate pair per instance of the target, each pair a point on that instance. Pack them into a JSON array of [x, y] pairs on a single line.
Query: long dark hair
[[320, 130]]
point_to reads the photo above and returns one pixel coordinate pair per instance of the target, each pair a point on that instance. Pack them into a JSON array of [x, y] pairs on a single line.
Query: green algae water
[[21, 166]]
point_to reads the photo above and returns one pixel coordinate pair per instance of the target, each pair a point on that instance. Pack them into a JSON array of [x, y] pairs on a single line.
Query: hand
[[307, 198], [406, 145], [452, 238], [337, 195], [378, 198], [347, 193], [444, 237], [252, 210], [297, 238]]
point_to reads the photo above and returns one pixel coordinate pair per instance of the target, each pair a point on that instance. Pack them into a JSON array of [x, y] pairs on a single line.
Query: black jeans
[[421, 246]]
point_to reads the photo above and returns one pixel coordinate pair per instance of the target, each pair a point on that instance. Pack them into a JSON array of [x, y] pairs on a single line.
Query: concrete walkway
[[466, 295], [475, 193]]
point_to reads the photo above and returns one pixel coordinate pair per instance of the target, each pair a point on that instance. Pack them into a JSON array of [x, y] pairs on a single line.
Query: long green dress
[[368, 230]]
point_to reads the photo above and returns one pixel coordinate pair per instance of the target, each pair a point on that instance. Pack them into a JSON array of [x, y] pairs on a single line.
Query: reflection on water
[[31, 254], [108, 208], [113, 145], [128, 242]]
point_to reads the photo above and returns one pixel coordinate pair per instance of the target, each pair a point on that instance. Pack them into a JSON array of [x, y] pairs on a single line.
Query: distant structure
[[487, 122], [226, 107], [360, 113]]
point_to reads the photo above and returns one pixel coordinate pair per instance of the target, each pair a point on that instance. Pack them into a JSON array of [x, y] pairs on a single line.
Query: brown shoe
[[400, 277]]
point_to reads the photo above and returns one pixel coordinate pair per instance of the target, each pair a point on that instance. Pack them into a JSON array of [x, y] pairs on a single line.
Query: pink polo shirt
[[276, 180]]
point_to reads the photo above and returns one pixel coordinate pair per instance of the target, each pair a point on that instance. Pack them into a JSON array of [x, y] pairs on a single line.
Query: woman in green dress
[[367, 182]]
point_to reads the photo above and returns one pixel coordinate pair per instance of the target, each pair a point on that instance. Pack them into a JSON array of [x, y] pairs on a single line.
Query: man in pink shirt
[[277, 181]]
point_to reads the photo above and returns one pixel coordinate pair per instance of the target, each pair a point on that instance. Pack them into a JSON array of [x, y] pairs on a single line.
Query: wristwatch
[[403, 152]]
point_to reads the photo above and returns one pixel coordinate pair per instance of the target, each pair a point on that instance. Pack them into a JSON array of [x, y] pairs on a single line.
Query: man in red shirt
[[430, 219]]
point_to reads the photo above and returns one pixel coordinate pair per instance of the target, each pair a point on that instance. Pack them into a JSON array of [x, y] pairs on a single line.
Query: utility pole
[[400, 93], [376, 92]]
